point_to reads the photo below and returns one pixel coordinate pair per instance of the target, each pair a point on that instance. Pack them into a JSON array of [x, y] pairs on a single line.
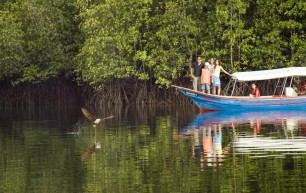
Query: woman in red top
[[255, 91], [302, 86]]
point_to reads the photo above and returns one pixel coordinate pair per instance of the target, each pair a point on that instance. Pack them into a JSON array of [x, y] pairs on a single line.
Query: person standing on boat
[[211, 66], [216, 77], [196, 71], [255, 91], [205, 78]]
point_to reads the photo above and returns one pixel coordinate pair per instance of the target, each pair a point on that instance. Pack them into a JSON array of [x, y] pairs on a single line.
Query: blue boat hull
[[208, 102]]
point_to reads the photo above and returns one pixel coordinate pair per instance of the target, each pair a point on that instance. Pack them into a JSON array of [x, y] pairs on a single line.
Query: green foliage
[[45, 45], [113, 41], [11, 43], [169, 40], [100, 41], [37, 40]]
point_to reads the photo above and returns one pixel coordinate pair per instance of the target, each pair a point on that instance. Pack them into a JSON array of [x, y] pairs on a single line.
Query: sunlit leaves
[[37, 39], [101, 41], [113, 39], [11, 44], [156, 40], [169, 44]]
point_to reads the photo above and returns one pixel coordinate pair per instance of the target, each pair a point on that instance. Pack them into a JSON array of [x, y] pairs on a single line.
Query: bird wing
[[109, 117], [89, 116]]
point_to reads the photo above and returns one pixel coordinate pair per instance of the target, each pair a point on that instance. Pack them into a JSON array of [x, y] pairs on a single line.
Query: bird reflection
[[90, 150]]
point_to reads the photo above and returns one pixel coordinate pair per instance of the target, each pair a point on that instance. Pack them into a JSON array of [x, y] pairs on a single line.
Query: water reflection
[[257, 134], [90, 150], [212, 144], [151, 149]]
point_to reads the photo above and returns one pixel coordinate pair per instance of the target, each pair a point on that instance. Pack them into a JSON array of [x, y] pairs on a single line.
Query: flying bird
[[92, 118]]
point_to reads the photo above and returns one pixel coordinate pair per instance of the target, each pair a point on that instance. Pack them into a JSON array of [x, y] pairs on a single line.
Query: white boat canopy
[[269, 74]]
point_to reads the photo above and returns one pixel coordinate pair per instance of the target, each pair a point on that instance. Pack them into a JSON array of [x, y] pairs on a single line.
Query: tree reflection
[[215, 152]]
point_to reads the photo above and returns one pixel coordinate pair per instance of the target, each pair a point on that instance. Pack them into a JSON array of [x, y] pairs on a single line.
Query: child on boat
[[205, 79]]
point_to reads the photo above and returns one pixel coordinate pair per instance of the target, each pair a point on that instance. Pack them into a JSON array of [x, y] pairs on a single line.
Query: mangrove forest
[[131, 51]]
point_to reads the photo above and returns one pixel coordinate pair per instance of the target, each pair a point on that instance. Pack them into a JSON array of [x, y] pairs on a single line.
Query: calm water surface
[[151, 149]]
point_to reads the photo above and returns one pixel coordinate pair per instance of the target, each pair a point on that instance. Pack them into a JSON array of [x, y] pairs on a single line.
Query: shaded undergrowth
[[61, 91], [122, 92]]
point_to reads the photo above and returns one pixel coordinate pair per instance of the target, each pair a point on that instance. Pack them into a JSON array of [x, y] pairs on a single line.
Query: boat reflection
[[256, 134]]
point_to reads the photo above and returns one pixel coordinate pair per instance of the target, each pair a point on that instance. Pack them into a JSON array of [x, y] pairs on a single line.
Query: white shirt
[[211, 69]]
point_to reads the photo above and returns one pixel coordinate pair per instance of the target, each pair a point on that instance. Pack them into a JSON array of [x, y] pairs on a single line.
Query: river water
[[151, 149]]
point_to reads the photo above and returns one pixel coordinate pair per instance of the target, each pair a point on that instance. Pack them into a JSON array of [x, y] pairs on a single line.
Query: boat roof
[[270, 74]]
